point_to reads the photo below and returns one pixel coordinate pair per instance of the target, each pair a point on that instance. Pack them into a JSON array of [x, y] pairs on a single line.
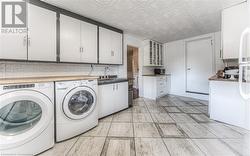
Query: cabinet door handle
[[112, 53], [116, 86], [25, 41], [113, 87], [29, 41]]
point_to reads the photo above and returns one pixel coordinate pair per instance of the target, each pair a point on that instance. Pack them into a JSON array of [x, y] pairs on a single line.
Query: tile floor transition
[[170, 126]]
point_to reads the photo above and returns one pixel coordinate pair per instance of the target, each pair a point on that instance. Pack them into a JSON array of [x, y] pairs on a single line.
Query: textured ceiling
[[161, 20]]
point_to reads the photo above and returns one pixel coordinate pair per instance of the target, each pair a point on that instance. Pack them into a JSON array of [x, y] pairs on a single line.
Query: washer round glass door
[[79, 103], [24, 115]]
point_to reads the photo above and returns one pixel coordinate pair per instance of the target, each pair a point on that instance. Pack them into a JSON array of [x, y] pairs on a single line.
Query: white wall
[[175, 64]]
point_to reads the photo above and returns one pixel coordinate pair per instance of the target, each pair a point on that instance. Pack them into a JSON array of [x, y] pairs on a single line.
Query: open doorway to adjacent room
[[133, 71]]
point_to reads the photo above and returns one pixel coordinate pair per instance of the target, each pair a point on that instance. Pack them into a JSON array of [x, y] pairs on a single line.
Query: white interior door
[[88, 43], [41, 34], [199, 57], [70, 39]]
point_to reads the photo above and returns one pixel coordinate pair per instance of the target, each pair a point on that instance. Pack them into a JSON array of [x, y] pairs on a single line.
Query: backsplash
[[233, 62], [25, 69]]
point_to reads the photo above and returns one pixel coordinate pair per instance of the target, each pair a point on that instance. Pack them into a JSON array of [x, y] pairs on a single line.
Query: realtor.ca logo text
[[13, 17]]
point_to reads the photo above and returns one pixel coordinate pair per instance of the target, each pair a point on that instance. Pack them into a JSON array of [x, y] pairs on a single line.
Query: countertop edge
[[156, 75], [215, 78], [112, 81], [43, 79]]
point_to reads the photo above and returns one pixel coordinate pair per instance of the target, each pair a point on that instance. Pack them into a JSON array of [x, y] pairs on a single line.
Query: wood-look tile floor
[[169, 126]]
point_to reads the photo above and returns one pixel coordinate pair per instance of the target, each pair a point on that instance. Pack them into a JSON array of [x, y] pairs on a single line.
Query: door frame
[[208, 36], [138, 51]]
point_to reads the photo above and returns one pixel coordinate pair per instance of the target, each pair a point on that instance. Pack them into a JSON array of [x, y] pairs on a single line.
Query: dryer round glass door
[[19, 116], [79, 103], [24, 115]]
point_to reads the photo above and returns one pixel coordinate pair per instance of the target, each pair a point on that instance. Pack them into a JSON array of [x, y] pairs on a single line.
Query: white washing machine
[[26, 118], [76, 108]]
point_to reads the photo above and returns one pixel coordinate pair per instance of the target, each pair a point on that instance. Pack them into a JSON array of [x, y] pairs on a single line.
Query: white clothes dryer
[[26, 118]]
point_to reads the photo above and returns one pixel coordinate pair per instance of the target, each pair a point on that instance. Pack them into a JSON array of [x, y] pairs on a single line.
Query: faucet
[[106, 71]]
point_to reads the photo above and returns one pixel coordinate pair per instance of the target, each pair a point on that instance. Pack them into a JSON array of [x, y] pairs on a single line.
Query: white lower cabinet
[[227, 105], [112, 98], [155, 86]]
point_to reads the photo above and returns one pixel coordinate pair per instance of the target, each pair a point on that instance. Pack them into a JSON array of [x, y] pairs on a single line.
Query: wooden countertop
[[215, 78], [21, 80]]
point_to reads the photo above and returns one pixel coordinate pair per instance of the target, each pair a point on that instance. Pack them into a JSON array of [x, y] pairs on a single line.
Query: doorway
[[199, 65], [133, 70]]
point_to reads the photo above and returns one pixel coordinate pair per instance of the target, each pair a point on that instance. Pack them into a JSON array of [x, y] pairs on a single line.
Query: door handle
[[113, 87], [116, 86], [188, 68], [245, 32], [244, 95]]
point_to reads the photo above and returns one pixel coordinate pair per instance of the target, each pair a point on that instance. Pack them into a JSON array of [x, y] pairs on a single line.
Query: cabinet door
[[157, 54], [161, 55], [41, 34], [234, 21], [147, 53], [154, 54], [121, 96], [13, 46], [116, 39], [105, 53], [88, 43], [70, 38], [106, 103]]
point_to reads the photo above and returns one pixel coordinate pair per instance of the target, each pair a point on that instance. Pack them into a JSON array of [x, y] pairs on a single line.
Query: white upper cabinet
[[116, 45], [234, 21], [153, 53], [40, 42], [70, 39], [78, 41], [13, 46], [88, 43], [41, 34], [110, 46], [104, 46]]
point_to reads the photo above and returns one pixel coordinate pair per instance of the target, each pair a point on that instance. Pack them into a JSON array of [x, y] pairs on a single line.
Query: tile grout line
[[106, 137]]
